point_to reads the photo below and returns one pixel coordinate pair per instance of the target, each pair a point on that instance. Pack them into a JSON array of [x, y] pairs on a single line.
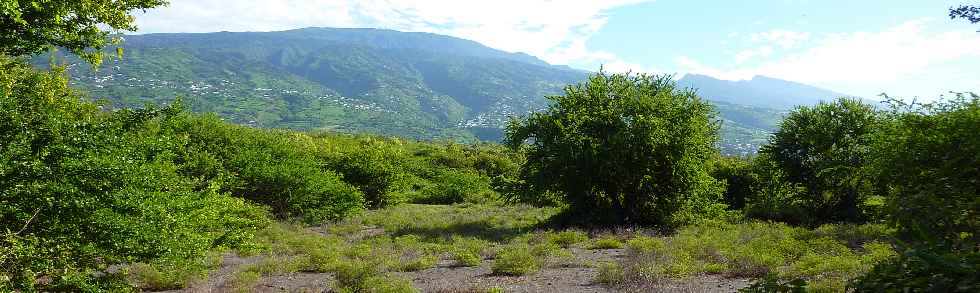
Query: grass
[[826, 260], [516, 260], [606, 242], [365, 251]]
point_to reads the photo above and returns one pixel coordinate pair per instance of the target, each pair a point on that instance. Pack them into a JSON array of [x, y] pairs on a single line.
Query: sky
[[905, 48]]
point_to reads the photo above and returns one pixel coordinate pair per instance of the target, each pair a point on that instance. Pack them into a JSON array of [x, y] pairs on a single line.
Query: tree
[[970, 13], [823, 148], [31, 27], [632, 148]]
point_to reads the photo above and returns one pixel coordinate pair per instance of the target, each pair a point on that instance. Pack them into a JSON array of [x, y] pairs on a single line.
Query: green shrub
[[516, 260], [419, 263], [466, 258], [646, 244], [772, 284], [568, 238], [606, 243], [276, 168], [923, 271], [83, 189], [457, 187], [373, 167], [379, 284], [928, 169], [609, 273]]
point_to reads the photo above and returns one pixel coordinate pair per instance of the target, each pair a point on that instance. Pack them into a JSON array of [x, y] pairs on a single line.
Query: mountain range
[[415, 85], [760, 91]]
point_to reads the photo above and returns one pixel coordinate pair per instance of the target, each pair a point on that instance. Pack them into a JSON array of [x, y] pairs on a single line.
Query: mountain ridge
[[760, 91], [416, 85]]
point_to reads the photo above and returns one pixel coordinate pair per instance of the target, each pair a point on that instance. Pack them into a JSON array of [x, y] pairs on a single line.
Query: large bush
[[82, 189], [630, 147], [928, 160], [279, 169], [824, 148]]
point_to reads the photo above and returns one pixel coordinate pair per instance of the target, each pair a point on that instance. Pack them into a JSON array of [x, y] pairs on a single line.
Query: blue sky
[[901, 47]]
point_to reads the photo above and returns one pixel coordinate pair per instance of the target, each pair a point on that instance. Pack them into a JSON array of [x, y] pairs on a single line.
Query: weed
[[568, 238], [609, 273], [607, 242], [646, 244], [466, 258], [516, 260]]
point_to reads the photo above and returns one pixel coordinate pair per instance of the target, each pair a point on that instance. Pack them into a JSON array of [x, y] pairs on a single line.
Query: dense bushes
[[928, 162], [924, 271], [622, 148], [275, 168], [81, 189]]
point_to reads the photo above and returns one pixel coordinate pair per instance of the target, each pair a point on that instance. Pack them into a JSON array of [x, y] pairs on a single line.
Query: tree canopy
[[968, 12], [630, 146], [823, 148], [80, 26]]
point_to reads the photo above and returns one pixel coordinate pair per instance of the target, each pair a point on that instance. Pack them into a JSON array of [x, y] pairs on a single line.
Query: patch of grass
[[487, 222], [466, 258], [823, 257], [568, 238], [606, 242], [386, 284], [243, 281], [516, 260], [419, 263], [170, 275], [278, 265], [354, 276], [609, 273], [646, 244]]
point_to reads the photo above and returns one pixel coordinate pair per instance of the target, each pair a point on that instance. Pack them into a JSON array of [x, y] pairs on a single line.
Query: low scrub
[[756, 250]]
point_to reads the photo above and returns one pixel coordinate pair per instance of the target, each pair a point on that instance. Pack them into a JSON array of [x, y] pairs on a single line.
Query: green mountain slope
[[414, 85]]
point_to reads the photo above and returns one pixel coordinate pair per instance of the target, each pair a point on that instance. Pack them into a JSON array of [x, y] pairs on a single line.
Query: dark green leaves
[[30, 27], [629, 146]]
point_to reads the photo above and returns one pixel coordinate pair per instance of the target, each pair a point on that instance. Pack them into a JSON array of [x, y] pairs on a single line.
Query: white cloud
[[861, 57], [553, 30], [784, 38], [221, 15], [745, 55]]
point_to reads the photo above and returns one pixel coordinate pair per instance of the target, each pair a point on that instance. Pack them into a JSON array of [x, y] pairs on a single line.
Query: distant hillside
[[760, 91], [415, 85]]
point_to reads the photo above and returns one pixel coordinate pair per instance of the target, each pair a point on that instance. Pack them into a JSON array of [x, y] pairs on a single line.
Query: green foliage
[[83, 189], [275, 168], [567, 238], [457, 187], [630, 148], [773, 196], [516, 260], [771, 284], [372, 167], [607, 242], [923, 271], [739, 177], [757, 249], [609, 273], [31, 27], [927, 160], [824, 148]]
